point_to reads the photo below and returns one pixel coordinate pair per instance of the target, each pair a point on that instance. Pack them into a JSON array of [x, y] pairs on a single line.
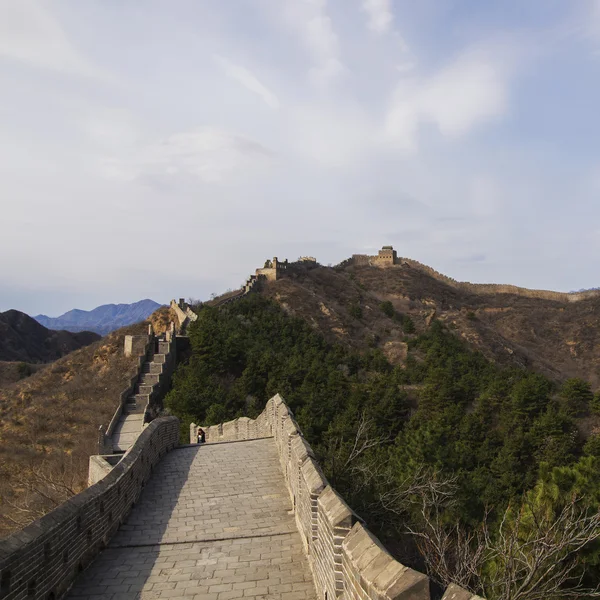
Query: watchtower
[[387, 256]]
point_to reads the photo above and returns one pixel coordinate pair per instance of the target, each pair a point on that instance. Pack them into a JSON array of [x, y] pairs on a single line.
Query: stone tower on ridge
[[386, 257]]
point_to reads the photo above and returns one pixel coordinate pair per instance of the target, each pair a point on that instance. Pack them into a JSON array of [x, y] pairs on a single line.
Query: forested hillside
[[557, 338], [486, 475]]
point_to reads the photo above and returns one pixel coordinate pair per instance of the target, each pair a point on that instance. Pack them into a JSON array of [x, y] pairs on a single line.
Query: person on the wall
[[201, 435]]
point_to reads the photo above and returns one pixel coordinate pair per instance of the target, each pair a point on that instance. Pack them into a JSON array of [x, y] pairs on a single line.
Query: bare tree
[[366, 437], [537, 555], [42, 487], [345, 454], [532, 555]]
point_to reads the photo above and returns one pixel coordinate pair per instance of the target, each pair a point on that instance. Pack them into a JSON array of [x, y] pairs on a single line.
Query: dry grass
[[49, 423], [10, 372], [161, 319]]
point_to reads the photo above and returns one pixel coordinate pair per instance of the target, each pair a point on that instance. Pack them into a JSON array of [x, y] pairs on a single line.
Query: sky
[[164, 149]]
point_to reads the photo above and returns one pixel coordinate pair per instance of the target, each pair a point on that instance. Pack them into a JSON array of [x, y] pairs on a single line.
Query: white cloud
[[248, 80], [462, 95], [81, 162], [208, 154], [29, 33], [309, 18], [380, 15], [468, 92], [332, 136]]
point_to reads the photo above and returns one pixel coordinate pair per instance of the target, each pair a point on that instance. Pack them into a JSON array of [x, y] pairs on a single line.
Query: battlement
[[386, 257], [41, 561], [272, 269], [346, 559], [266, 494]]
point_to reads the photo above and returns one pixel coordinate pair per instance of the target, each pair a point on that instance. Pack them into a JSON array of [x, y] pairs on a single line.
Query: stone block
[[455, 592], [336, 511]]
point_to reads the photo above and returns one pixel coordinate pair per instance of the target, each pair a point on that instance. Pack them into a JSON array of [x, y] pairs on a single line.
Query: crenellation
[[386, 257], [54, 549], [346, 559], [455, 592]]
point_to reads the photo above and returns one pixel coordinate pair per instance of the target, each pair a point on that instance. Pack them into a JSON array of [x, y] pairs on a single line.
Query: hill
[[365, 306], [49, 426], [103, 319], [452, 458], [24, 339]]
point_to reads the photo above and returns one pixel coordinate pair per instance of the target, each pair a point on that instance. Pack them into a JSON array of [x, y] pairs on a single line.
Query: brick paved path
[[213, 523]]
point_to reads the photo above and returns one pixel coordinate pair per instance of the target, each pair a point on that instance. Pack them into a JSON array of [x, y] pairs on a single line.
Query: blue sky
[[165, 149]]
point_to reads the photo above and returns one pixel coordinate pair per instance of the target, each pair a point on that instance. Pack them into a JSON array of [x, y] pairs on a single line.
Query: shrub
[[577, 395], [387, 308], [24, 370], [408, 325], [372, 340], [355, 310]]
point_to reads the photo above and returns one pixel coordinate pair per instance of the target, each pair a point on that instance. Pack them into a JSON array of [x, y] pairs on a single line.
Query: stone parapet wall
[[185, 315], [493, 288], [346, 559], [42, 560], [239, 429], [455, 592], [388, 258]]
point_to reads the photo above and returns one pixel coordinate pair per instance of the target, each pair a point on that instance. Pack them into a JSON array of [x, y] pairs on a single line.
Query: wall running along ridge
[[41, 561], [346, 559], [145, 346], [185, 315], [363, 260], [134, 344], [499, 288]]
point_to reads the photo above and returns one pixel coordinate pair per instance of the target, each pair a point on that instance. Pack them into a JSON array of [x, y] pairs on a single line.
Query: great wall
[[247, 514], [387, 257]]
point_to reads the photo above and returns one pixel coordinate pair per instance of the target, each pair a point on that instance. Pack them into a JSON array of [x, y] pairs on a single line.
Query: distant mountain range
[[24, 339], [102, 319]]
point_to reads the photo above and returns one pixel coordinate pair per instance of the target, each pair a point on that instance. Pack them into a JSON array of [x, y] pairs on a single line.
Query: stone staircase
[[131, 423]]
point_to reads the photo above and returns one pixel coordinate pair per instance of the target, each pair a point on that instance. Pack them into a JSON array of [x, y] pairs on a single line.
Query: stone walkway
[[213, 523]]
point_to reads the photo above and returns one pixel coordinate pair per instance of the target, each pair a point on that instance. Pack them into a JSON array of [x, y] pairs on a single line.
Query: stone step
[[139, 399], [164, 347], [149, 378], [145, 389], [159, 358], [131, 408], [152, 368]]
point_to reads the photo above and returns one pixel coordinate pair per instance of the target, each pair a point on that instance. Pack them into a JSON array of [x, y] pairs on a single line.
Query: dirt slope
[[49, 423]]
